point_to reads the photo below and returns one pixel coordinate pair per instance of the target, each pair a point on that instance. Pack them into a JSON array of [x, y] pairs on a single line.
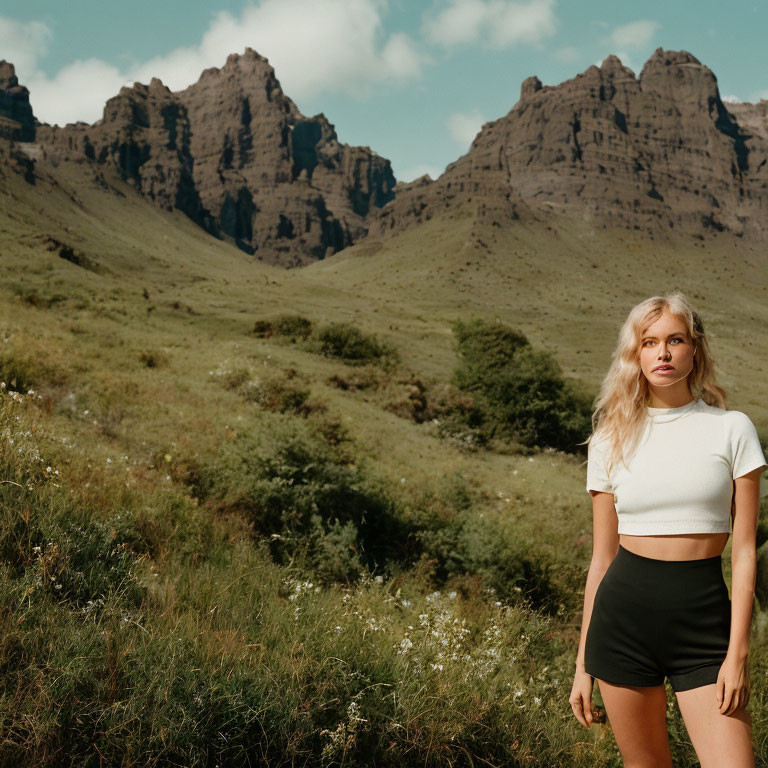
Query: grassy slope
[[566, 287], [171, 258]]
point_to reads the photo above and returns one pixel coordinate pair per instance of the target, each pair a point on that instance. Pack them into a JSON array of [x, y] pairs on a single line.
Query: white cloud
[[500, 23], [567, 54], [521, 22], [22, 43], [76, 92], [731, 99], [461, 22], [464, 126], [402, 57], [336, 45], [636, 34]]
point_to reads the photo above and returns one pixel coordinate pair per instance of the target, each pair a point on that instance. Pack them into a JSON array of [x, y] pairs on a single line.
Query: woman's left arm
[[743, 572]]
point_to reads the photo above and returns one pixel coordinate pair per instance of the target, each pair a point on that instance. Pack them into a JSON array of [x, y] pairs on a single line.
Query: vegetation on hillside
[[517, 394], [271, 600], [225, 546]]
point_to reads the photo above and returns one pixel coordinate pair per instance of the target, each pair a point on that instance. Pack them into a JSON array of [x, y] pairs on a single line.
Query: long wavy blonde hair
[[620, 408]]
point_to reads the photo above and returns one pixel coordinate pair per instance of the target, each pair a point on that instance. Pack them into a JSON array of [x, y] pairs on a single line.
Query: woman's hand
[[581, 697], [733, 684]]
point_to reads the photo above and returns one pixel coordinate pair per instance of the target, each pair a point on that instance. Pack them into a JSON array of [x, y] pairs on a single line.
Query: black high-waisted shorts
[[655, 618]]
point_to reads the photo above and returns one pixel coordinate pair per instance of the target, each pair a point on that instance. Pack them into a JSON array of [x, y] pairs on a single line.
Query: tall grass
[[274, 602]]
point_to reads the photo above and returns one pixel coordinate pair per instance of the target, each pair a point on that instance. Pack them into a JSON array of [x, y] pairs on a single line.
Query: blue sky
[[412, 80]]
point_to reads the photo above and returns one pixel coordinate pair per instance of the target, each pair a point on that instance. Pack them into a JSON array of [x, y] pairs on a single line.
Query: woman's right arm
[[605, 545]]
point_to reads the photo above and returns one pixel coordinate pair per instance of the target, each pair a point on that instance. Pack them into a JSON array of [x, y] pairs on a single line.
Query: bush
[[296, 326], [318, 511], [307, 501], [462, 546], [293, 326], [518, 393], [276, 395], [349, 343]]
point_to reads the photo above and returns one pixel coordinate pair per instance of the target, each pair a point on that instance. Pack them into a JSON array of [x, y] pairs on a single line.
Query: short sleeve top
[[680, 477]]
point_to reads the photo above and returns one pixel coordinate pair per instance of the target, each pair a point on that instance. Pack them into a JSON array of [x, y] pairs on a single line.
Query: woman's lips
[[665, 369]]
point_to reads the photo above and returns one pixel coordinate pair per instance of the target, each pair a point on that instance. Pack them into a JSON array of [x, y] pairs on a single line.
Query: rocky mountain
[[234, 153], [145, 133], [273, 178], [660, 150], [656, 152], [17, 123]]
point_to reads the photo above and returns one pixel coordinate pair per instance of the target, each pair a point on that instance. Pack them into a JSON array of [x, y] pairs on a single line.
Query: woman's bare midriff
[[677, 546]]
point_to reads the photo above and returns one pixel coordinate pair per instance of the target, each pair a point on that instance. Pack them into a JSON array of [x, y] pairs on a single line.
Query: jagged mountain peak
[[234, 153], [656, 152]]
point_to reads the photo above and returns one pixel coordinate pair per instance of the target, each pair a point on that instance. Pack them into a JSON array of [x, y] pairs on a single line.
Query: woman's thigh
[[718, 739], [638, 718]]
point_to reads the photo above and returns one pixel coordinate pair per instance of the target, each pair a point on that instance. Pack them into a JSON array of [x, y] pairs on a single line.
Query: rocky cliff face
[[17, 123], [275, 180], [145, 133], [656, 150], [236, 155]]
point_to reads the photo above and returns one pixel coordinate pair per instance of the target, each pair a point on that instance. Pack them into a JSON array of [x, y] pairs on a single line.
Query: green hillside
[[190, 635]]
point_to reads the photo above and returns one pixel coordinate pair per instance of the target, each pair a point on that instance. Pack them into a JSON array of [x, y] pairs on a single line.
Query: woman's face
[[666, 352]]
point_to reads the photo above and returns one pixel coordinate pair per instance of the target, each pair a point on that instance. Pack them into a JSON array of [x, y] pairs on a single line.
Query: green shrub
[[276, 395], [296, 326], [461, 546], [350, 344], [293, 326], [314, 508], [518, 393], [305, 499]]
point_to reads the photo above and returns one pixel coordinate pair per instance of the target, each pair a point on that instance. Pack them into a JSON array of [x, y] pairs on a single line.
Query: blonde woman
[[669, 468]]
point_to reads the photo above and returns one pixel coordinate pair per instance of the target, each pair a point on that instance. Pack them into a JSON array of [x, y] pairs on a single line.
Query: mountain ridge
[[656, 152], [235, 154], [659, 151]]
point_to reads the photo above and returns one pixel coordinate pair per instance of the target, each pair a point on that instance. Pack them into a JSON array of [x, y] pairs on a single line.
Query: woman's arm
[[605, 545], [733, 678], [743, 560]]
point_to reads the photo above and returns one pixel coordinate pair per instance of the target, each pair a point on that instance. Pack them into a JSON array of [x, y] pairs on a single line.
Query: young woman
[[668, 469]]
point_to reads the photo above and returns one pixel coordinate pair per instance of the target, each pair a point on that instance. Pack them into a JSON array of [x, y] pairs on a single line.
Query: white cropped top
[[680, 477]]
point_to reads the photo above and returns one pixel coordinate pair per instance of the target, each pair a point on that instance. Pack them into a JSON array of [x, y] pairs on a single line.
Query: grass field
[[150, 617]]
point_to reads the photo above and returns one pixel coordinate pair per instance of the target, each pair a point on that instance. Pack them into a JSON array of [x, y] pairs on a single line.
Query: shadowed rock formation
[[17, 123], [145, 133], [236, 155], [275, 180]]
